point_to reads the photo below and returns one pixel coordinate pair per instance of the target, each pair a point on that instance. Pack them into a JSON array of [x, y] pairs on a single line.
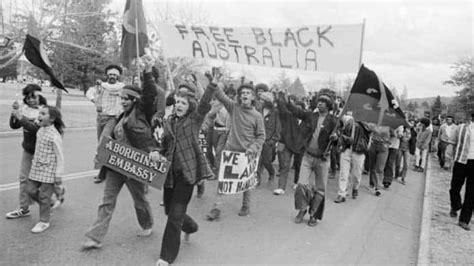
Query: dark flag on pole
[[35, 53], [133, 22], [371, 101]]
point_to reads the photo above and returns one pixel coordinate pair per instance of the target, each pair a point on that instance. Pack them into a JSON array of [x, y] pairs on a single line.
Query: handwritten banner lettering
[[132, 162], [237, 172], [328, 48]]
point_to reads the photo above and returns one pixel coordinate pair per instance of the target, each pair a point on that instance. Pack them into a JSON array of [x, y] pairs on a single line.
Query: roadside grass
[[77, 111], [449, 243]]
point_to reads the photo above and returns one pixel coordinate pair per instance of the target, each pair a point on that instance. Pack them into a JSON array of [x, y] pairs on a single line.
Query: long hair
[[56, 116], [191, 100]]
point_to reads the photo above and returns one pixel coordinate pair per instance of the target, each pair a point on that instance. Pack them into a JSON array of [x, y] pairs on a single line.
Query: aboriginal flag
[[133, 21], [35, 53], [371, 101]]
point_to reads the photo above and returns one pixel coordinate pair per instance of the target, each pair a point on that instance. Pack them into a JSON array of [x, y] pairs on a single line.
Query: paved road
[[368, 230]]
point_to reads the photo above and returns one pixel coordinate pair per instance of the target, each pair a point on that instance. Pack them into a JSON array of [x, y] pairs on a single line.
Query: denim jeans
[[284, 159], [176, 201], [350, 174], [378, 154], [266, 157], [463, 173], [25, 168], [219, 140], [105, 127], [41, 193], [402, 164], [389, 169], [420, 157], [113, 185], [311, 190]]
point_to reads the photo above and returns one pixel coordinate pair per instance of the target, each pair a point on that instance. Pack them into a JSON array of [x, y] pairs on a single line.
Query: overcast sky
[[407, 43], [410, 43]]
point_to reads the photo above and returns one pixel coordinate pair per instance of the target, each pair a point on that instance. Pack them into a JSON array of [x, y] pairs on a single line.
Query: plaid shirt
[[181, 143], [108, 97], [48, 162]]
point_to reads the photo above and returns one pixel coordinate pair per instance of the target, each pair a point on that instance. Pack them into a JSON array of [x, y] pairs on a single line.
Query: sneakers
[[453, 213], [355, 193], [91, 244], [464, 226], [161, 262], [18, 213], [97, 180], [214, 214], [145, 232], [278, 191], [340, 199], [39, 227], [244, 211], [312, 221], [55, 204], [299, 217]]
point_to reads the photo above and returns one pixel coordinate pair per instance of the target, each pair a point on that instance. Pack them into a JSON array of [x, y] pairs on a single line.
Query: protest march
[[230, 111]]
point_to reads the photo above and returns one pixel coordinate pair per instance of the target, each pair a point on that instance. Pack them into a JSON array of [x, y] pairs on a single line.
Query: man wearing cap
[[317, 132], [462, 173], [106, 97]]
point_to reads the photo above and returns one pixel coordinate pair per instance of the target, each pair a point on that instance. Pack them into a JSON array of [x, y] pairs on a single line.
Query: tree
[[425, 105], [282, 82], [411, 106], [437, 107], [79, 41], [463, 77]]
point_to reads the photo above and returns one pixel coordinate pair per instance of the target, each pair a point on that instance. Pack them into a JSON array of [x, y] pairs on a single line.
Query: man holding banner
[[246, 135]]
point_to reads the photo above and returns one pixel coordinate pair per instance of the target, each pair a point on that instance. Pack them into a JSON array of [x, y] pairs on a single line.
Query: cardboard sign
[[237, 172], [327, 48], [132, 162]]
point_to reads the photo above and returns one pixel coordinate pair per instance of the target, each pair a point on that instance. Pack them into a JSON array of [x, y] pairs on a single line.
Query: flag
[[35, 53], [371, 101], [132, 16]]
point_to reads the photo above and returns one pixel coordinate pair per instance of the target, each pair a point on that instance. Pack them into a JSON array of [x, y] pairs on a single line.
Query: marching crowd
[[313, 136]]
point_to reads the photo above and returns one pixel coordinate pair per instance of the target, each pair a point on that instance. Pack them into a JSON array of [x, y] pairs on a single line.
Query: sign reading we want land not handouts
[[132, 162], [237, 172], [327, 48]]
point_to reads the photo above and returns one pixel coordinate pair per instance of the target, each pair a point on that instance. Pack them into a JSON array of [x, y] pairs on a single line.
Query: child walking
[[48, 163]]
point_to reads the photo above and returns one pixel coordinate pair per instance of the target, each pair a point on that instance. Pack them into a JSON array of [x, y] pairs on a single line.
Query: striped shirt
[[463, 143], [108, 97]]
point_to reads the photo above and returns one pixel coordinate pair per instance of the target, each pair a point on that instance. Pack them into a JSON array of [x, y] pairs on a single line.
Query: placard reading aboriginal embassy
[[237, 172], [327, 48], [132, 162]]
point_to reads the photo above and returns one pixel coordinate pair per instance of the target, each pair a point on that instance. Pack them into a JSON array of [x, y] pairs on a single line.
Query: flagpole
[[170, 76], [362, 43], [137, 43]]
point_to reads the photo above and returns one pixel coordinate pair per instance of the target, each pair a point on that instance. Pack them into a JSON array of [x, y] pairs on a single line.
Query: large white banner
[[326, 48], [237, 172]]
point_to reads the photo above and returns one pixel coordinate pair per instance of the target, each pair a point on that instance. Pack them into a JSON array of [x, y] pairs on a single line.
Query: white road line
[[72, 176]]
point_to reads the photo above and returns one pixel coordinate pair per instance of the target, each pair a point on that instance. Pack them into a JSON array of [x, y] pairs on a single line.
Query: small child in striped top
[[48, 163]]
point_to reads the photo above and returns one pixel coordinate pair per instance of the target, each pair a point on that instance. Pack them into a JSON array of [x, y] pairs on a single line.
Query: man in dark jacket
[[290, 144], [353, 144], [317, 132]]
